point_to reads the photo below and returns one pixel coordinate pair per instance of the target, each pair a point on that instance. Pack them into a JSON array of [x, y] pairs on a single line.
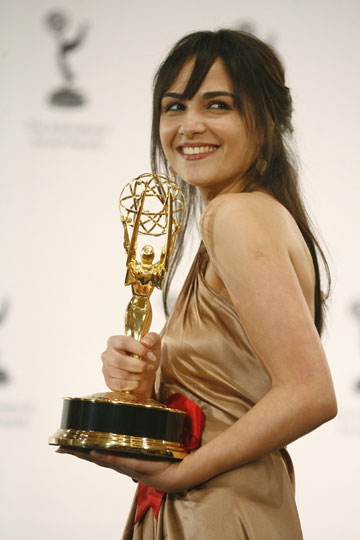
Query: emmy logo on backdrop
[[355, 311], [151, 206], [66, 95], [4, 308]]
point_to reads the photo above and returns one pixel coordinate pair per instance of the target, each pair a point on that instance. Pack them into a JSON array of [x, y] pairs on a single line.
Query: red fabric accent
[[194, 421], [149, 497]]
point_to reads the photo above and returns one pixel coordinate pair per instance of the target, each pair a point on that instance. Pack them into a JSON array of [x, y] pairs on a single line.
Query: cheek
[[165, 132], [232, 132], [240, 143], [166, 139]]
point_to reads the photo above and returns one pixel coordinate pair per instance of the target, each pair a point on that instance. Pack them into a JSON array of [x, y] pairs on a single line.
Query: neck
[[209, 193]]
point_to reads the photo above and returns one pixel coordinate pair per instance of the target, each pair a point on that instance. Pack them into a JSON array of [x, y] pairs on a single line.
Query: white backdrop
[[62, 261]]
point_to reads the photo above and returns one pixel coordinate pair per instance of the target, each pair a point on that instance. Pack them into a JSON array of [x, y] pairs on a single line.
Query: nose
[[191, 124]]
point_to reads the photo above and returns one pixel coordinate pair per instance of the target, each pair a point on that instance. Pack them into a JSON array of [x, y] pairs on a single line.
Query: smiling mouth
[[196, 152]]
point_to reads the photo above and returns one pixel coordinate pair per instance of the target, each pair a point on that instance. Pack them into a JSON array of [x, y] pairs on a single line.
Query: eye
[[175, 106], [218, 105]]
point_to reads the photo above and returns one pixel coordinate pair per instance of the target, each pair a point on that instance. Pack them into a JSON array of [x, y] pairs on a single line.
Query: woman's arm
[[247, 243]]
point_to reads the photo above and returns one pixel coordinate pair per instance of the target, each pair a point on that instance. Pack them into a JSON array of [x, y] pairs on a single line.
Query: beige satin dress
[[207, 357]]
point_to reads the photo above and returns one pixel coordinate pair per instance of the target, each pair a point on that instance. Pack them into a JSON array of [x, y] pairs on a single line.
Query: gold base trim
[[97, 440]]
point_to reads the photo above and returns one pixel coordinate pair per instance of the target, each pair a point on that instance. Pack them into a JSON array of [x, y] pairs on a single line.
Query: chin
[[196, 181]]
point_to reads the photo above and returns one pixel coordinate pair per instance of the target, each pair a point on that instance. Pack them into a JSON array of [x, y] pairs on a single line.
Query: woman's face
[[205, 139]]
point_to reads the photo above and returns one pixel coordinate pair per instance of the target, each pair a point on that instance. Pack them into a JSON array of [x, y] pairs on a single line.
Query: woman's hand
[[159, 474], [131, 365]]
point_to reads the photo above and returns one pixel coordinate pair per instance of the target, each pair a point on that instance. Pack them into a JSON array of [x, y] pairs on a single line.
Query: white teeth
[[197, 149]]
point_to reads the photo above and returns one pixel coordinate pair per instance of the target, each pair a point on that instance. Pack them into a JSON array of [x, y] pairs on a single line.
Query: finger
[[127, 344], [80, 453], [151, 340], [126, 465], [119, 385], [109, 460], [128, 462], [124, 362], [115, 373]]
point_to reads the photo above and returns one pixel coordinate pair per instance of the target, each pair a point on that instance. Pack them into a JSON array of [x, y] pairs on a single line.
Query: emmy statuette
[[154, 206]]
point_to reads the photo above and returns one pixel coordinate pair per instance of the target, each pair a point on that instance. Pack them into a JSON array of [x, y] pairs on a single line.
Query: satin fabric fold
[[207, 356]]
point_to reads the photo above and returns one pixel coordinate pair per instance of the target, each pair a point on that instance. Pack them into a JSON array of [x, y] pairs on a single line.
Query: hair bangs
[[204, 59]]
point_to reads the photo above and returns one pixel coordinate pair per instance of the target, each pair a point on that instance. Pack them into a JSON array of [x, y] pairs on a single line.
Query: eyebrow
[[206, 95]]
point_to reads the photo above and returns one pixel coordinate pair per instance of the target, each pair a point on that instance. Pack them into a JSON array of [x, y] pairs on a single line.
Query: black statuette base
[[121, 427]]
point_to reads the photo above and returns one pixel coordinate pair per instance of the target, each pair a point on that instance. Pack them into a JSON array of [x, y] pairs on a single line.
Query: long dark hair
[[265, 102]]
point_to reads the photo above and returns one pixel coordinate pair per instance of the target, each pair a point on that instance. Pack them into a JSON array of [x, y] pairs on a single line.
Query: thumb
[[152, 340]]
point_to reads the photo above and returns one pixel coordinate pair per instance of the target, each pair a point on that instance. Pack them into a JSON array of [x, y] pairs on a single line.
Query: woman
[[243, 339]]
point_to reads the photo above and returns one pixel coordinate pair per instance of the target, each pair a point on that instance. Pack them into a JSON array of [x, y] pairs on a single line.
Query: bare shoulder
[[248, 216], [255, 226]]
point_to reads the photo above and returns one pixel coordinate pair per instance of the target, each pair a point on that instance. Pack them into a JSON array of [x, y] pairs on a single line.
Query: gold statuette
[[151, 205]]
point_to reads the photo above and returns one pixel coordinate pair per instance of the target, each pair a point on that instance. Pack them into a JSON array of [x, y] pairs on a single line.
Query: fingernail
[[151, 356]]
